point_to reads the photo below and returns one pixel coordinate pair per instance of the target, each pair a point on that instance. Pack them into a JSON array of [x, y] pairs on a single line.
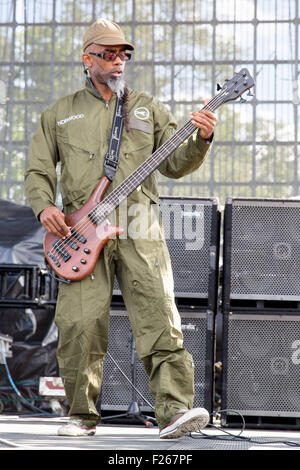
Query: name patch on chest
[[70, 118]]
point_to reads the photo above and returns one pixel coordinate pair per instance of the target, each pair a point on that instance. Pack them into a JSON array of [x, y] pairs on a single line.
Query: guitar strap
[[111, 161]]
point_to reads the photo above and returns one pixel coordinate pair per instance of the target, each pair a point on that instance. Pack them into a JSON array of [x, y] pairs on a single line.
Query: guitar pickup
[[77, 235], [72, 244], [61, 250], [54, 259]]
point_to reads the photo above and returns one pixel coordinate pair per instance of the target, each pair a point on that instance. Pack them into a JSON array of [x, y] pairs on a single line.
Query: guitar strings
[[167, 146], [103, 209], [148, 162]]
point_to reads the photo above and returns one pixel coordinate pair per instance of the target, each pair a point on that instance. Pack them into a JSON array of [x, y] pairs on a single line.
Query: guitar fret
[[58, 255], [129, 184], [122, 191]]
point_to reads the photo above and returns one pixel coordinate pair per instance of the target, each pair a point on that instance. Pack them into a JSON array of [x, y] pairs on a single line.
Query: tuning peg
[[219, 87], [242, 100]]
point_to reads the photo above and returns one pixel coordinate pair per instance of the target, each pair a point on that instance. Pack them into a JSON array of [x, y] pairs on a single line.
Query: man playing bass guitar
[[75, 131]]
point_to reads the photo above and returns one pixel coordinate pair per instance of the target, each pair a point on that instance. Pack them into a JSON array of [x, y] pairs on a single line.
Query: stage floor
[[40, 433]]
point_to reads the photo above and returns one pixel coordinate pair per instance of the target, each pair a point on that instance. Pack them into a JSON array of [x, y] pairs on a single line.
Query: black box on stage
[[192, 231], [261, 253], [117, 392], [26, 285], [261, 369]]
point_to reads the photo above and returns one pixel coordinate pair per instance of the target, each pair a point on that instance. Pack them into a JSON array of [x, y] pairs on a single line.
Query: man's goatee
[[117, 85]]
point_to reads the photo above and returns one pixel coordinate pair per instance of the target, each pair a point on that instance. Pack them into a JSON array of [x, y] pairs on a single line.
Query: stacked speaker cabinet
[[261, 313], [117, 391], [192, 231]]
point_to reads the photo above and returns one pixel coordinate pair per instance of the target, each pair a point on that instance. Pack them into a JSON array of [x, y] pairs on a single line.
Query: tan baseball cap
[[106, 33]]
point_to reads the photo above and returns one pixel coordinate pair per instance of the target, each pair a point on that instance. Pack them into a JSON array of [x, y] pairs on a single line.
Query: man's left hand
[[205, 120]]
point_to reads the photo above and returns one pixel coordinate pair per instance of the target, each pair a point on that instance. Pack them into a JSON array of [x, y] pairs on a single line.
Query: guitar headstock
[[234, 88]]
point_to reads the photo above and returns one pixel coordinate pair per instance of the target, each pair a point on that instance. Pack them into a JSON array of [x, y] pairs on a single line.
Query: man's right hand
[[54, 221]]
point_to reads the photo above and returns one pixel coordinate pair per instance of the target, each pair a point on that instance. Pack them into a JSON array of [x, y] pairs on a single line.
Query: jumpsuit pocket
[[154, 199], [136, 151], [74, 200], [79, 167], [152, 273]]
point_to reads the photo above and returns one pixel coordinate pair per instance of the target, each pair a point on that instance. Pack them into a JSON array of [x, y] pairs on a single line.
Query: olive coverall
[[75, 131]]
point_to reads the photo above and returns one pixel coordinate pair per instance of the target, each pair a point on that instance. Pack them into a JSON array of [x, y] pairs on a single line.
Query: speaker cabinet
[[122, 366], [261, 251], [192, 231], [261, 368]]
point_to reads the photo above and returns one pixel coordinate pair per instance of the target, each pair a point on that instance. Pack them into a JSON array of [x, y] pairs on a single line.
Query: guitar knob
[[83, 261], [87, 250], [75, 268]]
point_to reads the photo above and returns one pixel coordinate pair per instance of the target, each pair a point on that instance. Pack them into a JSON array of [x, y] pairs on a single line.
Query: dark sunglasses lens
[[109, 56], [124, 56]]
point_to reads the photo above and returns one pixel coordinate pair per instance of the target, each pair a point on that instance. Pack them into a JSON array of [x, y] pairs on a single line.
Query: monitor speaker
[[261, 251], [261, 368], [192, 231], [118, 374]]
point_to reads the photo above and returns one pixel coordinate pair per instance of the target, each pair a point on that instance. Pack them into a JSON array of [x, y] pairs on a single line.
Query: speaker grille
[[264, 250], [191, 228], [196, 342], [117, 394], [188, 230], [262, 364]]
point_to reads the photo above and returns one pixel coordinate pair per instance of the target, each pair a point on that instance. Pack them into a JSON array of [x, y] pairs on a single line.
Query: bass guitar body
[[75, 257]]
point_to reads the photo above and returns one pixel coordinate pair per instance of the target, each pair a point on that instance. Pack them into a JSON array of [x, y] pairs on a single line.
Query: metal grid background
[[182, 50]]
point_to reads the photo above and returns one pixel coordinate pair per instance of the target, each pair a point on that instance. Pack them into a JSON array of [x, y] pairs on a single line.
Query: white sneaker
[[75, 428], [188, 421]]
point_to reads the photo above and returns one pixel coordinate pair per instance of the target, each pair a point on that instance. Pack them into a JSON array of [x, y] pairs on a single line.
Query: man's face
[[100, 69]]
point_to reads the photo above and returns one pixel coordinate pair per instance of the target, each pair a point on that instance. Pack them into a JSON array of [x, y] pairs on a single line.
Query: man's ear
[[87, 59]]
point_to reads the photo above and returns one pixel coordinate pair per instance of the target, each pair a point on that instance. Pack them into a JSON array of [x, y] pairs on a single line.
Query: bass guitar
[[73, 258]]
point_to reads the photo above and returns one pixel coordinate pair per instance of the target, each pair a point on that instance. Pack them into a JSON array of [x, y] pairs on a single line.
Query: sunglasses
[[111, 56]]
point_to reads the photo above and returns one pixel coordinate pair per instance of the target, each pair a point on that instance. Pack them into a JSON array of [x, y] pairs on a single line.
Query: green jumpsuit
[[75, 131]]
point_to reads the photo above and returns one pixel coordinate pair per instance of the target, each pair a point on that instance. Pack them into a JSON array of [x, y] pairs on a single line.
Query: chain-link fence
[[183, 49]]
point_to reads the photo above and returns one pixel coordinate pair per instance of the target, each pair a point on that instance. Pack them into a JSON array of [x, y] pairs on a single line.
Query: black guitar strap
[[111, 161]]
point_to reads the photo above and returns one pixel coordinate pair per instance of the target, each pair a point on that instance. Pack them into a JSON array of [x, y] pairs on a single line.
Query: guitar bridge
[[61, 250], [54, 259], [77, 235]]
